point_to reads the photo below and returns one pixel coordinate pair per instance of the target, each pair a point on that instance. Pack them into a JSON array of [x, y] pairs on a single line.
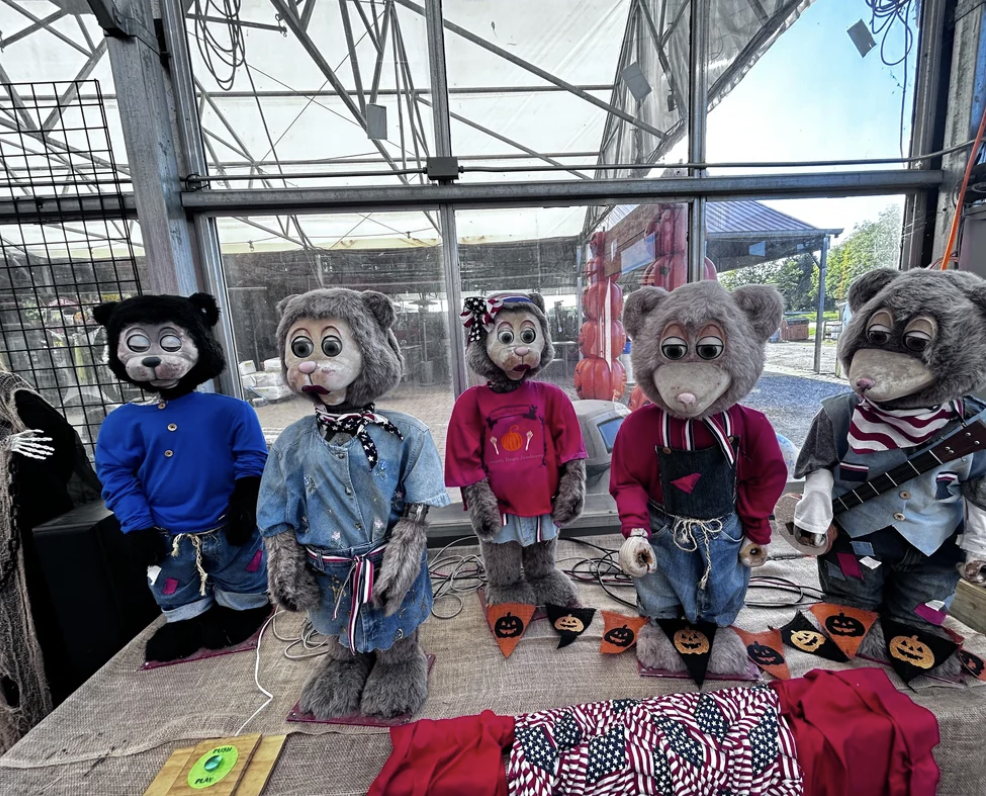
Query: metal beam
[[536, 70], [559, 193], [698, 109], [113, 17], [53, 31], [820, 312], [350, 45], [146, 118], [42, 23], [52, 209]]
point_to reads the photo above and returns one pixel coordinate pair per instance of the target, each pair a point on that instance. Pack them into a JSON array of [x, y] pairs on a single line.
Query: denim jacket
[[340, 508], [331, 498]]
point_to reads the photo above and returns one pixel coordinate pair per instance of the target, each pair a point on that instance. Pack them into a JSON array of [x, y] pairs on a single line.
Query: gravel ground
[[790, 402]]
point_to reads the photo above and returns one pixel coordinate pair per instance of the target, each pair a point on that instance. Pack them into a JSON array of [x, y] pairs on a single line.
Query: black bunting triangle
[[693, 643], [802, 635], [569, 623], [913, 651]]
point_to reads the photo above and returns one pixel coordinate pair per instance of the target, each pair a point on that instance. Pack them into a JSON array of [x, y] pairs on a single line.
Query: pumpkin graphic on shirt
[[515, 431]]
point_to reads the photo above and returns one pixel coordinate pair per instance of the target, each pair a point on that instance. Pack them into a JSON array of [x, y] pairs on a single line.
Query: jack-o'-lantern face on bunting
[[569, 623], [620, 636], [801, 634], [508, 626], [843, 625], [691, 642], [910, 649], [765, 650], [620, 632], [762, 655], [807, 640], [508, 621], [913, 651], [973, 664]]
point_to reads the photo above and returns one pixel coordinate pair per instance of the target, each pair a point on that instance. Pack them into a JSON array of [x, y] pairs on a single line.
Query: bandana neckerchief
[[354, 424], [873, 428]]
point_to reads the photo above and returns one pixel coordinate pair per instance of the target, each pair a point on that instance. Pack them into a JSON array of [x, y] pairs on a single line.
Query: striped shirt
[[873, 428]]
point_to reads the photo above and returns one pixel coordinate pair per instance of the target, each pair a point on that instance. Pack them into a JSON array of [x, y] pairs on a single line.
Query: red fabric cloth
[[635, 476], [448, 757], [519, 440], [858, 734]]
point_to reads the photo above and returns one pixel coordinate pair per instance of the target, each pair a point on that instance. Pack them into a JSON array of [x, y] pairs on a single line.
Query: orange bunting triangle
[[620, 632], [508, 621], [766, 651], [847, 627]]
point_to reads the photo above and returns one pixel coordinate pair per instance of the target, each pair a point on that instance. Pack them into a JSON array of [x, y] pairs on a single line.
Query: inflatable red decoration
[[671, 271], [591, 339], [597, 243], [595, 381], [638, 399], [595, 269], [594, 300]]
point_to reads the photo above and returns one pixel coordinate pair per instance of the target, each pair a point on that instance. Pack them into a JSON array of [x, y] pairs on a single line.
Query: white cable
[[256, 677]]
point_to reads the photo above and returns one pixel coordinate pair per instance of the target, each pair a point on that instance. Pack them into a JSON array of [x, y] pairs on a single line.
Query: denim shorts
[[374, 630], [526, 530], [236, 577], [673, 589]]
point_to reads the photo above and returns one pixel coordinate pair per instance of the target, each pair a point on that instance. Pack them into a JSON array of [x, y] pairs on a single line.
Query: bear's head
[[337, 346], [163, 343], [508, 340], [916, 338], [700, 348]]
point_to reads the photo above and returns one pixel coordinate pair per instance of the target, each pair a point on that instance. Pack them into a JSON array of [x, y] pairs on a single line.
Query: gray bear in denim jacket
[[343, 504]]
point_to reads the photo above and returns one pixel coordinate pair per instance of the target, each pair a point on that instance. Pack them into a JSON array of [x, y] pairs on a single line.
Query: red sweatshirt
[[635, 477]]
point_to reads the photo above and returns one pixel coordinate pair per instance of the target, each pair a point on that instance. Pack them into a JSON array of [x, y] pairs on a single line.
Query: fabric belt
[[361, 573]]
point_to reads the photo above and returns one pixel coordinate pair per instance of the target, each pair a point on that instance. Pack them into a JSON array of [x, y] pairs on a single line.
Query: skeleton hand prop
[[637, 556], [28, 443]]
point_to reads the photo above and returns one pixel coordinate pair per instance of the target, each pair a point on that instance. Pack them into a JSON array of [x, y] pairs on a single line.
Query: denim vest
[[925, 510], [331, 498]]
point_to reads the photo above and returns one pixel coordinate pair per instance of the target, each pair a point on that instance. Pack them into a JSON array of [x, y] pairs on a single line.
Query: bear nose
[[686, 398], [864, 384], [307, 367], [150, 362], [523, 351]]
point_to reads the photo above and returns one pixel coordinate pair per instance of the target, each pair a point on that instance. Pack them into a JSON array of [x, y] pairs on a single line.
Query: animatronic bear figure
[[914, 351], [696, 475], [182, 473], [343, 506], [515, 447]]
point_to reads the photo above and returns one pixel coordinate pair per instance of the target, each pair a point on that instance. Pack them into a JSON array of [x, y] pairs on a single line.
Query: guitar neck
[[962, 441]]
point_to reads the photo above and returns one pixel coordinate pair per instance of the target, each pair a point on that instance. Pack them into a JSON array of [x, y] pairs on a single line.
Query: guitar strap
[[918, 451]]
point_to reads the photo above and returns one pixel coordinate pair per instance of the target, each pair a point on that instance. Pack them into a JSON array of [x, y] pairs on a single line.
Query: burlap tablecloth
[[112, 735]]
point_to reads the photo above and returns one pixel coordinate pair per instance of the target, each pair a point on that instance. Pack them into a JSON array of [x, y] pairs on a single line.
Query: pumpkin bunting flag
[[508, 621], [620, 632], [973, 664], [802, 635], [847, 627], [765, 649], [693, 643], [569, 623], [912, 651]]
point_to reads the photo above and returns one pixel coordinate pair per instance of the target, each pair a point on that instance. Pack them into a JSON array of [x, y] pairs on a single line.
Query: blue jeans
[[524, 530], [675, 587], [236, 577], [374, 630], [905, 579]]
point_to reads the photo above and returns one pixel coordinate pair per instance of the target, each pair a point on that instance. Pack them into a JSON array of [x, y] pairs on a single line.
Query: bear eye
[[709, 347], [506, 337], [138, 343], [878, 334], [920, 333], [171, 343], [331, 346], [528, 336], [917, 341], [674, 348], [302, 347]]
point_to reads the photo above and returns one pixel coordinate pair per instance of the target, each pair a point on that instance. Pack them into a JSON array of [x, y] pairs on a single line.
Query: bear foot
[[174, 641], [518, 592], [554, 589], [397, 688], [223, 627], [334, 690], [655, 650], [728, 654]]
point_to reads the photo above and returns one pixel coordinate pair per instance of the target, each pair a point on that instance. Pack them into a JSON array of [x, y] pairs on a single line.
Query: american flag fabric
[[874, 429], [732, 741]]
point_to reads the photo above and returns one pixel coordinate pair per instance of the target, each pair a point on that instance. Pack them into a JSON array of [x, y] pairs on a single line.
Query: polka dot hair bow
[[479, 313], [355, 424]]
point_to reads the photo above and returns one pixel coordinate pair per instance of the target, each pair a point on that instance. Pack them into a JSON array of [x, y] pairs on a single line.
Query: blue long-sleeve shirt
[[174, 464]]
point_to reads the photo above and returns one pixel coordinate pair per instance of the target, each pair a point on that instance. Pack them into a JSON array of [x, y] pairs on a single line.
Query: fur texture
[[398, 682], [956, 300], [551, 586], [655, 650], [484, 511], [335, 688], [370, 316], [505, 582], [401, 564], [874, 646], [748, 316], [195, 315], [478, 358], [728, 652], [571, 493], [293, 584]]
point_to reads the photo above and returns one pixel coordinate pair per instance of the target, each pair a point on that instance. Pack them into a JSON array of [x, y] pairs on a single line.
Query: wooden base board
[[171, 779], [969, 606]]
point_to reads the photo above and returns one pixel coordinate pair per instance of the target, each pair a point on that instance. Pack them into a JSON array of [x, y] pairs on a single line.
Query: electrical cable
[[256, 675], [885, 15], [232, 55]]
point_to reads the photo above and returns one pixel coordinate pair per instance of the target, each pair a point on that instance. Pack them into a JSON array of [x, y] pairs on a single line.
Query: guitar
[[969, 437]]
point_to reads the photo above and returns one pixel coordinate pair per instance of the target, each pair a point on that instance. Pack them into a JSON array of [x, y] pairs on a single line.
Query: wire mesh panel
[[55, 147]]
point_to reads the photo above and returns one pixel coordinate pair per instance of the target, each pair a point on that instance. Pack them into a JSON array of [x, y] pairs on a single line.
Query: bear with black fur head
[[182, 472], [696, 474], [343, 506], [915, 352], [515, 447]]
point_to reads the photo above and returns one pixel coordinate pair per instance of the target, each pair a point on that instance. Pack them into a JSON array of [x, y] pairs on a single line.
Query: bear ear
[[207, 305], [764, 307], [537, 300], [283, 303], [639, 305], [381, 307], [103, 312], [868, 285]]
